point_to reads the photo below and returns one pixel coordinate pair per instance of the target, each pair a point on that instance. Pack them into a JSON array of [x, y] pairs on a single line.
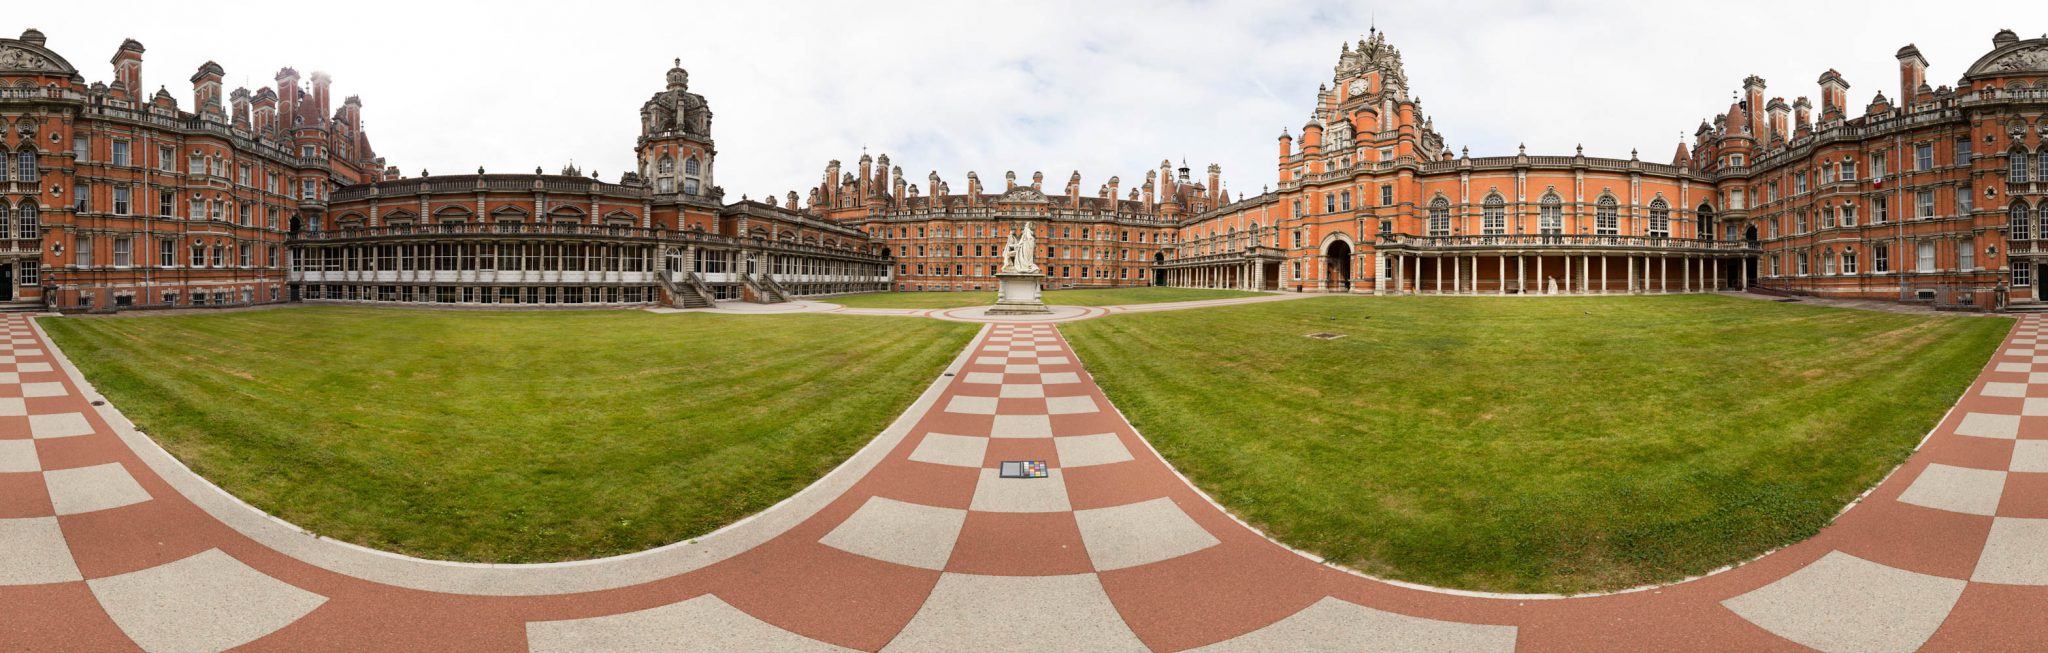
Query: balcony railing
[[1561, 241]]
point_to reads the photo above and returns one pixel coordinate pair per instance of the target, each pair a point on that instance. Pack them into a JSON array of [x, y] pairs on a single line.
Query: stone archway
[[1159, 268], [1337, 264]]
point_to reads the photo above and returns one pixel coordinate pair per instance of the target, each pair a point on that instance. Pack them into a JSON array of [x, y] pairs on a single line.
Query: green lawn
[[1535, 445], [1086, 297], [510, 436]]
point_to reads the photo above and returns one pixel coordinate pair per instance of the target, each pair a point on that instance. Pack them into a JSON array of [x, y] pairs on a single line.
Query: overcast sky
[[1105, 87]]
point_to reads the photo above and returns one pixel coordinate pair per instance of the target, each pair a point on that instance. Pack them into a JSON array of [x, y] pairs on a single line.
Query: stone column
[[1603, 274], [1631, 274], [1439, 275], [1501, 262]]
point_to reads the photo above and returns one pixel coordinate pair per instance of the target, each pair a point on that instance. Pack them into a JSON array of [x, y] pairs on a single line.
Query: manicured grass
[[1086, 297], [510, 436], [1535, 445]]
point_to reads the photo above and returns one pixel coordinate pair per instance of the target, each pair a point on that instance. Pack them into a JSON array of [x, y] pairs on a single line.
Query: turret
[[1834, 96], [1753, 103], [320, 83], [287, 97], [265, 118], [1912, 76], [1112, 193], [1802, 112], [1286, 156], [128, 68], [1777, 110], [239, 100], [206, 90], [1216, 184]]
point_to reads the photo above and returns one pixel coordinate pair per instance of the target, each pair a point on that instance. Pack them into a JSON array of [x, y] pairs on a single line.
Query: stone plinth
[[1017, 294]]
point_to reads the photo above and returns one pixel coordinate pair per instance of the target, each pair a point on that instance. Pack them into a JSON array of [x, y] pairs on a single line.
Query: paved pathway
[[916, 544]]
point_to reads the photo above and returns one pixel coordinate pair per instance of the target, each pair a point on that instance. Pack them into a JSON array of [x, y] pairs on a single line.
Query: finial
[[679, 62]]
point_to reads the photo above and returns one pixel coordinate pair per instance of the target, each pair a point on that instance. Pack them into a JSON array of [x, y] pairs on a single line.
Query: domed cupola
[[678, 79]]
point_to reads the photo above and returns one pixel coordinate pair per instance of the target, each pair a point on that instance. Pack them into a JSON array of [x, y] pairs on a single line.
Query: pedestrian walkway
[[919, 543]]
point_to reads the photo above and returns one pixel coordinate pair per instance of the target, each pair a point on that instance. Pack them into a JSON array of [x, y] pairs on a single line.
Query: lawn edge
[[502, 579]]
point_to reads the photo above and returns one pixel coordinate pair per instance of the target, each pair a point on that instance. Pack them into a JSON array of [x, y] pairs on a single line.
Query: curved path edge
[[486, 579]]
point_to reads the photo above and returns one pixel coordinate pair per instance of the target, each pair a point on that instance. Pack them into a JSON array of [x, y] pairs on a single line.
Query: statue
[[1019, 251]]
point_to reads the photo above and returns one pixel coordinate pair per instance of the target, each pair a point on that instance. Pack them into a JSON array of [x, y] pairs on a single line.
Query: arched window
[[1705, 228], [1494, 215], [25, 165], [2016, 166], [2019, 225], [692, 176], [1440, 217], [1848, 261], [1606, 221], [1660, 219], [29, 228], [666, 166], [1551, 220]]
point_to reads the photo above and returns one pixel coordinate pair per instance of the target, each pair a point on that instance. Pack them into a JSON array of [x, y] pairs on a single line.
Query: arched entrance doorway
[[1337, 265], [1159, 268]]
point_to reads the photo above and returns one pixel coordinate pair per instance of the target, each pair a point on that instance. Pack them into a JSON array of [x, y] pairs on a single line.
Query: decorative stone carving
[[2024, 59], [13, 58]]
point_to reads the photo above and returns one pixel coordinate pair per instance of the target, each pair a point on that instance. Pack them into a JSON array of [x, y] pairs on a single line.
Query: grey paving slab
[[59, 425], [1842, 603], [32, 367], [1017, 613], [13, 407], [1956, 489], [1334, 625], [1020, 369], [1988, 425], [2003, 389], [1070, 405], [19, 456], [703, 624], [1021, 391], [895, 531], [33, 552], [1052, 378], [1089, 450], [955, 450], [2016, 367], [207, 602], [983, 377], [993, 493], [972, 405], [2030, 456], [88, 489], [1139, 533], [2015, 554], [44, 389], [1021, 426]]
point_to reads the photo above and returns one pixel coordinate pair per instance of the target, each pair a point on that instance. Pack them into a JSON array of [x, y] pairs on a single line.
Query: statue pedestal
[[1018, 294]]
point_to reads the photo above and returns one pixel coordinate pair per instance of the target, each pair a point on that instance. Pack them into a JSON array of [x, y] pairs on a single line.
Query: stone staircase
[[20, 306]]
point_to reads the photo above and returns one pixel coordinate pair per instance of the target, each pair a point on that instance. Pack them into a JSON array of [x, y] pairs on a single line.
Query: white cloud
[[1108, 88]]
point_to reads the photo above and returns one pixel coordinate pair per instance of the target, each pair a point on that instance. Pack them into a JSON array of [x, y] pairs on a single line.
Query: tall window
[[121, 200], [1440, 217], [2016, 166], [1925, 201], [1848, 215], [29, 229], [2019, 224], [25, 166], [3, 218], [1966, 200], [1848, 261], [1606, 221], [1880, 258], [194, 163], [1550, 218], [81, 148], [1963, 150], [1494, 215], [1925, 252], [84, 251], [1827, 262], [1923, 156], [124, 253], [1660, 219], [120, 157], [1386, 194], [166, 158], [166, 203], [1877, 166], [1966, 254], [692, 175], [167, 253], [28, 272], [1880, 209]]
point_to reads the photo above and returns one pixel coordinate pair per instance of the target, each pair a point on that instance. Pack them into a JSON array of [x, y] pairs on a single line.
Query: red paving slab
[[1200, 577]]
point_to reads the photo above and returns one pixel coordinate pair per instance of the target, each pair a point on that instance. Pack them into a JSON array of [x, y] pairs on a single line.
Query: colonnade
[[1577, 274], [1236, 275]]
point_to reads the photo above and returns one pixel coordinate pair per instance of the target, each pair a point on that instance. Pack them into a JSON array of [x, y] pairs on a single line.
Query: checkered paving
[[933, 549]]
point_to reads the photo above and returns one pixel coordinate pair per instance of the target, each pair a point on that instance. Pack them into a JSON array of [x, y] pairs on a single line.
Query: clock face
[[1358, 87]]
